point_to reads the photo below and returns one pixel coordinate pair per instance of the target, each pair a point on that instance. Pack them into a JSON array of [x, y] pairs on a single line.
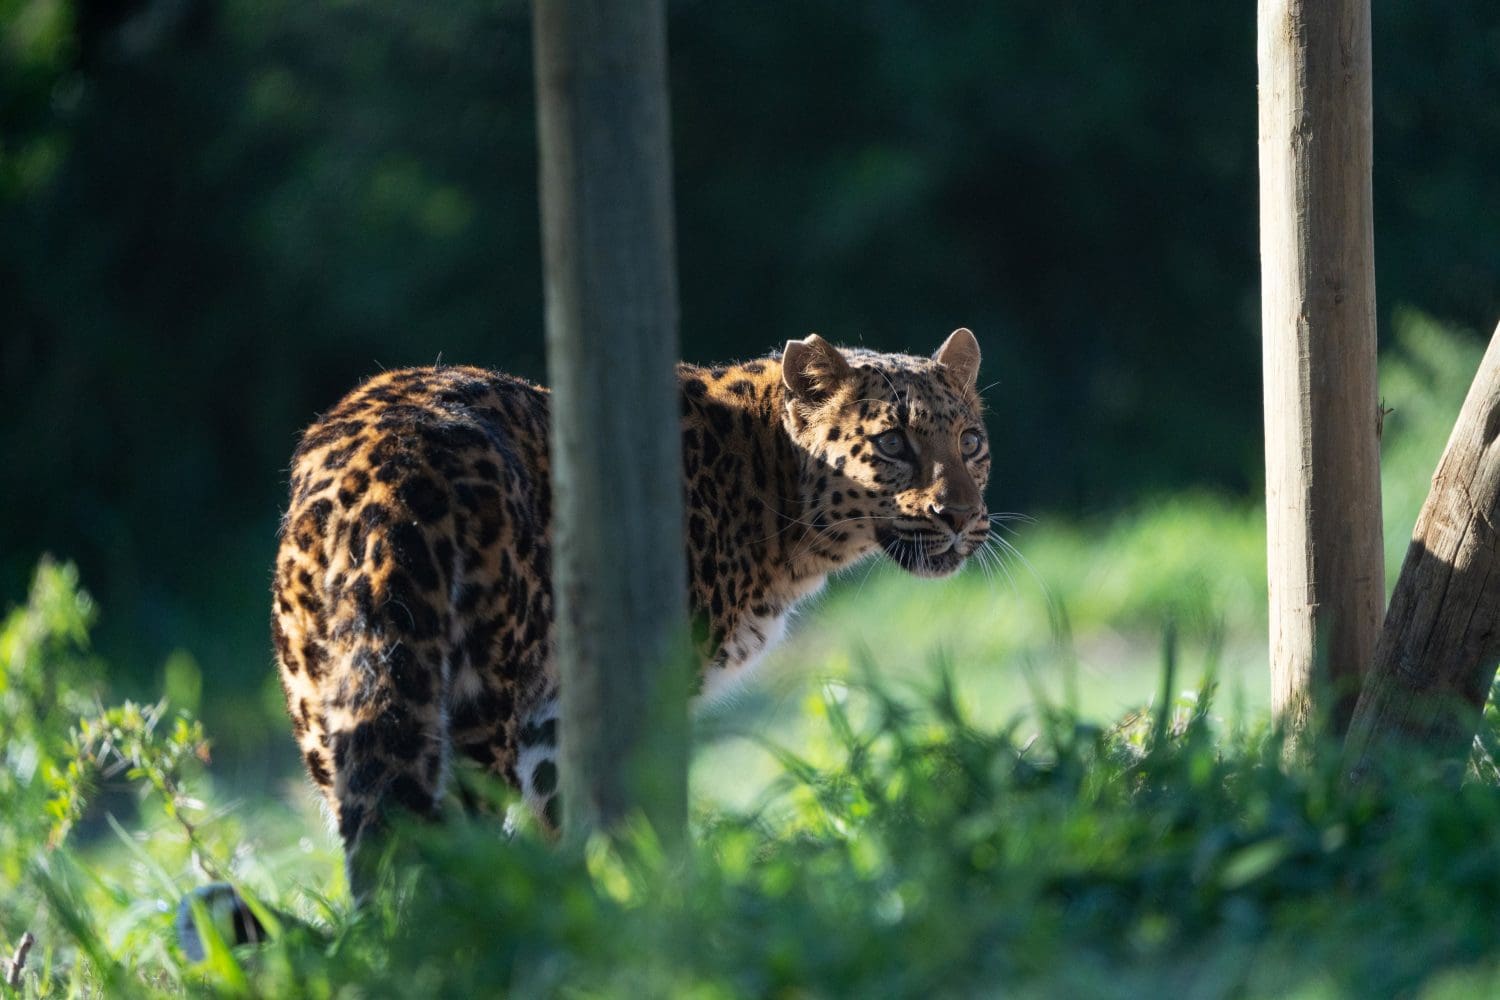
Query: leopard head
[[895, 451]]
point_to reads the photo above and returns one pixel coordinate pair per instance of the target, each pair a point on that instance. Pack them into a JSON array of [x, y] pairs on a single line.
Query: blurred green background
[[218, 216]]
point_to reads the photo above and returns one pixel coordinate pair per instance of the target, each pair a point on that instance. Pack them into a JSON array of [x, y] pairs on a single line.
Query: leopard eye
[[969, 441], [891, 444]]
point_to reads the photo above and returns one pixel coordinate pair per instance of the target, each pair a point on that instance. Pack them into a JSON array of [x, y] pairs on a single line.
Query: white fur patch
[[748, 644], [530, 757]]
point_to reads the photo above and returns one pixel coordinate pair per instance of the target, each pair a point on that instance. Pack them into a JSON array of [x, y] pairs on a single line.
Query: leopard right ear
[[812, 368], [960, 352]]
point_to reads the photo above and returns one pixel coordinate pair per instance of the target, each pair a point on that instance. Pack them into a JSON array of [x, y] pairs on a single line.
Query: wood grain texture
[[1318, 338], [1435, 660], [611, 294]]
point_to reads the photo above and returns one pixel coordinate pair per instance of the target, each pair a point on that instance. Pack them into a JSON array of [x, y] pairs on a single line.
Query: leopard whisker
[[986, 552], [821, 534], [894, 391], [1015, 553], [977, 556], [809, 524], [869, 572]]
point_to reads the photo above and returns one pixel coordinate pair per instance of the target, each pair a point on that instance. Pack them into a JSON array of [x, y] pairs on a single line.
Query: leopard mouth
[[925, 553]]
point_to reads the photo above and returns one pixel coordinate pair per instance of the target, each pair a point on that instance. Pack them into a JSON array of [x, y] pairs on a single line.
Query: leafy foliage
[[911, 851], [123, 741], [45, 674]]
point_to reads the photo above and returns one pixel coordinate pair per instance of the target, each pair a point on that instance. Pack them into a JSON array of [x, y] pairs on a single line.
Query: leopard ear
[[811, 369], [960, 352]]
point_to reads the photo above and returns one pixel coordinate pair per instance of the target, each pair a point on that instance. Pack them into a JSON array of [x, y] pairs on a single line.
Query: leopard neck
[[751, 483]]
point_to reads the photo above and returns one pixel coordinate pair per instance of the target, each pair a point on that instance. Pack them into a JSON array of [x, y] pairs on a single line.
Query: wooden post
[[1318, 337], [619, 578], [1436, 657]]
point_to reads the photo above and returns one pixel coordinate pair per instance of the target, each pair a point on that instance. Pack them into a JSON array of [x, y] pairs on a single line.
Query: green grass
[[905, 849], [987, 785], [1078, 623]]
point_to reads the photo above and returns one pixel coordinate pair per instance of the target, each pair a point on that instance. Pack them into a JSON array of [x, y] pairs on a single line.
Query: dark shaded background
[[217, 216]]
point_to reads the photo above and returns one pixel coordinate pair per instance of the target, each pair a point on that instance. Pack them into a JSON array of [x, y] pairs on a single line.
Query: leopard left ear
[[960, 352], [811, 369]]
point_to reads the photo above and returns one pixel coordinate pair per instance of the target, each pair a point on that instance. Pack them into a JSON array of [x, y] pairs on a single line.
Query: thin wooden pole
[[1435, 660], [1318, 329], [619, 576]]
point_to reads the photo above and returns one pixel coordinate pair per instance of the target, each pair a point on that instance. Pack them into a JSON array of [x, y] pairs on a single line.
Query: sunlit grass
[[1078, 622]]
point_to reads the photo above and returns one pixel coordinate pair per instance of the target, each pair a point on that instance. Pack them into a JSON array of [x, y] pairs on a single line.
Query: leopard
[[413, 615]]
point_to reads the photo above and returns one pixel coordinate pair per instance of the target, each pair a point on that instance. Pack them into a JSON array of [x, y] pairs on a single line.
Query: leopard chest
[[749, 637]]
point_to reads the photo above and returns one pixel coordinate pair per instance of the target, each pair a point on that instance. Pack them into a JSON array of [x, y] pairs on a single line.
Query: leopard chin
[[915, 555]]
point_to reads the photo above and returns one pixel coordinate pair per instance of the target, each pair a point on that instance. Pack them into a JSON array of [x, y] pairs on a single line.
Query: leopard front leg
[[536, 764], [522, 750]]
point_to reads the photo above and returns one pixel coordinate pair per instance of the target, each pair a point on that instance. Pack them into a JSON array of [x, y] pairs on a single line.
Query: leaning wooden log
[[1435, 658]]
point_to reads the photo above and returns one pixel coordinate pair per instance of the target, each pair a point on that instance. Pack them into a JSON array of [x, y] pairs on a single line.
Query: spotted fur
[[412, 600]]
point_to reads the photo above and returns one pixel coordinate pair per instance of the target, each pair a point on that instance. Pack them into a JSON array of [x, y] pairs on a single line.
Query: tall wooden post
[[619, 578], [1318, 329]]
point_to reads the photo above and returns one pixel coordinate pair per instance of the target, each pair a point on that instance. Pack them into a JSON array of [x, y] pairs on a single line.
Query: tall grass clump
[[906, 850]]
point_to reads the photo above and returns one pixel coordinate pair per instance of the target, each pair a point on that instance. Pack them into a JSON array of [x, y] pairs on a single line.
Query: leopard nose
[[955, 515]]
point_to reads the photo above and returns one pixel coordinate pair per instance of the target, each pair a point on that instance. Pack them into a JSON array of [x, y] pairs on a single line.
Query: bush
[[912, 852]]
